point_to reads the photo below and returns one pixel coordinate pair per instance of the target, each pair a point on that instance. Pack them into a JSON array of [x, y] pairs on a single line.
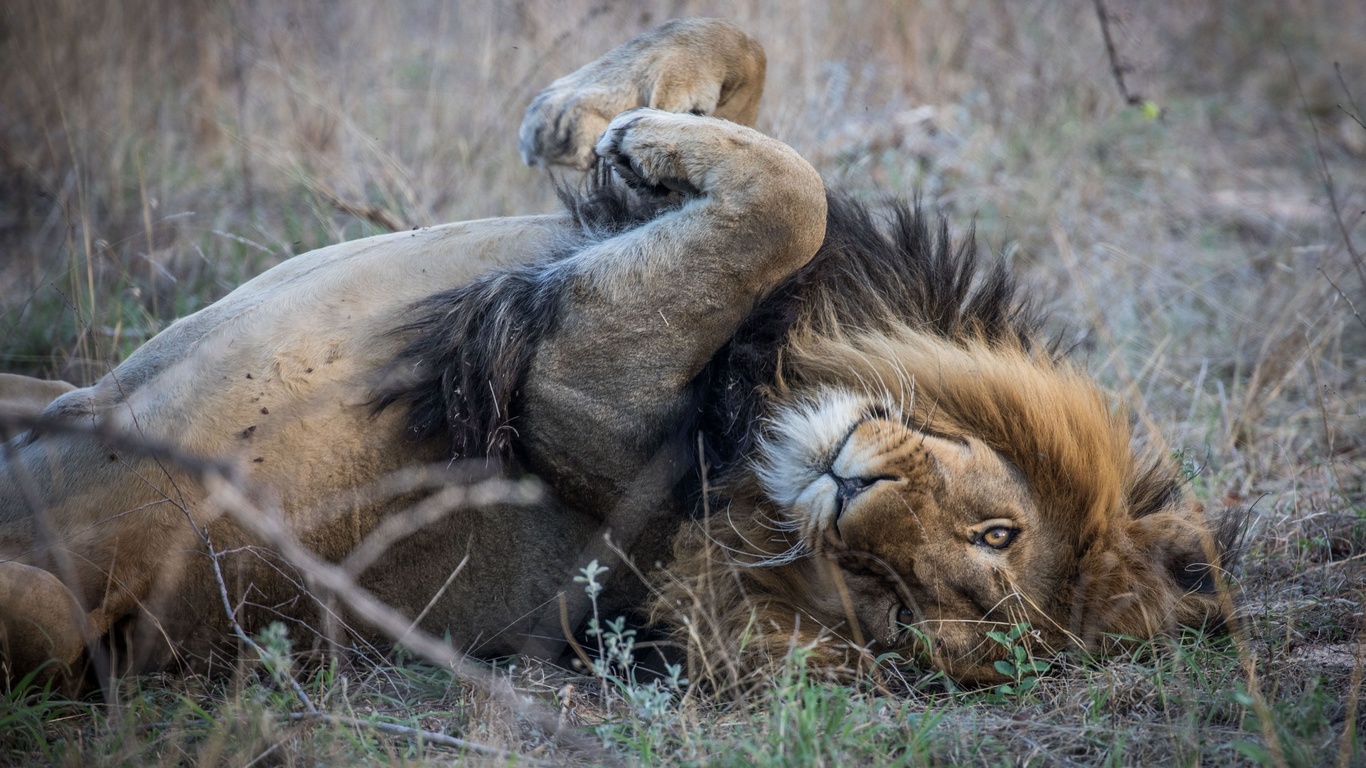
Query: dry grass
[[156, 154]]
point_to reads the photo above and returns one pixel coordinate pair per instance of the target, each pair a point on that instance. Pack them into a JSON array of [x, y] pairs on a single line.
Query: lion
[[811, 429]]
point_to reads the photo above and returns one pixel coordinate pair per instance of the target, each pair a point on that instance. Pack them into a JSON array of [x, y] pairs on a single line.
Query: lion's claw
[[643, 147]]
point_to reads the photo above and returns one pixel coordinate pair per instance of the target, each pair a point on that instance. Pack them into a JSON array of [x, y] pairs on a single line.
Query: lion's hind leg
[[23, 396], [40, 621]]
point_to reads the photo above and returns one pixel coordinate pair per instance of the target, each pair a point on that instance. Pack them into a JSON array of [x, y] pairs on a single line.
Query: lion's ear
[[1181, 544], [1197, 553], [1162, 571]]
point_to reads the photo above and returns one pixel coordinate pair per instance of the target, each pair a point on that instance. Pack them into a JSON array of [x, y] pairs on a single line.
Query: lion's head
[[912, 469]]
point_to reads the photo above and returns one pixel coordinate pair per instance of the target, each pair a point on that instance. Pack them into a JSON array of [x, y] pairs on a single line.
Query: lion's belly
[[307, 336], [487, 578], [507, 565], [275, 380]]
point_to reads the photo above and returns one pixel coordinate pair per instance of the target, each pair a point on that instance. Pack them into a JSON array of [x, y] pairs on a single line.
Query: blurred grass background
[[155, 154]]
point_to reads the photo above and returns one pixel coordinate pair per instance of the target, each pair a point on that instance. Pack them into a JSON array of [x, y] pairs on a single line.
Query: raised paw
[[698, 66], [660, 152], [560, 127]]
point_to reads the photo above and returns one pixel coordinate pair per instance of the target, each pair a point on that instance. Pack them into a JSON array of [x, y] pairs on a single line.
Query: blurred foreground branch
[[229, 492]]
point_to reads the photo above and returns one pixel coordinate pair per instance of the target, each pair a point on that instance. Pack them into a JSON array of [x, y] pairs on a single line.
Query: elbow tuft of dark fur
[[465, 355], [466, 351]]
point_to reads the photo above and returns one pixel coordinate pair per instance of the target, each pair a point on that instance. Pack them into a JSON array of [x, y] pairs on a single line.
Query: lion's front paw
[[650, 149], [560, 127]]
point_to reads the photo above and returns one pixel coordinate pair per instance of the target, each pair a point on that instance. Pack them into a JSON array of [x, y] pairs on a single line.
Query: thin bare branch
[[371, 213], [237, 628], [227, 492], [455, 572], [1327, 175], [1116, 68], [1345, 297], [1355, 114], [434, 508], [335, 580]]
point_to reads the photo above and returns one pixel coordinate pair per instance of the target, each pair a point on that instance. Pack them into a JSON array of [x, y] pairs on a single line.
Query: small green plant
[[651, 706], [276, 651], [1022, 670], [1190, 468]]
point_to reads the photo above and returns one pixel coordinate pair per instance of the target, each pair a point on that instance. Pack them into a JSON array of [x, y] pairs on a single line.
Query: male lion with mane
[[830, 431]]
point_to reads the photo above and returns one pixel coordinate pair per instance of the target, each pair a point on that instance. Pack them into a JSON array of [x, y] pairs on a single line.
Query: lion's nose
[[848, 488]]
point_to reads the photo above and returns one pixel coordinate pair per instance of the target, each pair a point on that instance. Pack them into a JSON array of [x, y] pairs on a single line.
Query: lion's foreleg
[[643, 312]]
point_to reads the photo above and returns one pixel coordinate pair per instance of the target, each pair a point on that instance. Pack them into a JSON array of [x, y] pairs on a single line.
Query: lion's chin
[[971, 660], [967, 659], [973, 675]]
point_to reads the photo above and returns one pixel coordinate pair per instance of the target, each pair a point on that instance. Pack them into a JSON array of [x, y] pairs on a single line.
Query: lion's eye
[[998, 537]]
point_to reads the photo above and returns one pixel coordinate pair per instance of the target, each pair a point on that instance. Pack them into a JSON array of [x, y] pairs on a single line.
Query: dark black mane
[[466, 354], [468, 349], [870, 275]]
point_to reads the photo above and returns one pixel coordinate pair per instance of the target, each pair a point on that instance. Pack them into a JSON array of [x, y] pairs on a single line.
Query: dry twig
[[1132, 99], [227, 492], [1326, 175], [434, 508], [237, 628], [371, 213], [271, 530]]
